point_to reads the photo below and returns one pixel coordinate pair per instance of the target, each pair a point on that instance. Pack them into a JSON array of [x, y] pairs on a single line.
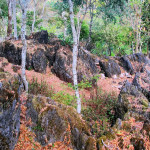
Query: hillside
[[115, 93]]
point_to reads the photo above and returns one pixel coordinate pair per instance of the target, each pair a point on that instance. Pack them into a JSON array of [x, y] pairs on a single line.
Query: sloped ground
[[124, 137], [131, 131]]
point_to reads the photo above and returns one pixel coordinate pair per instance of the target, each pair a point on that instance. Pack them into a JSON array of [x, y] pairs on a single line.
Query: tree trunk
[[75, 54], [14, 19], [24, 42], [137, 39], [34, 16], [43, 9], [65, 24], [9, 29], [91, 21]]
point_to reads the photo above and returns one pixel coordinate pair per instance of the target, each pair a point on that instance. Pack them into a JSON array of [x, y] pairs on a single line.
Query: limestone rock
[[110, 67], [39, 61], [53, 122], [9, 113]]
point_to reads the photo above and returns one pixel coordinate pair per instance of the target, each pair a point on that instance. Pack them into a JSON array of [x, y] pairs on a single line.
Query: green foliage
[[112, 37], [3, 9], [85, 83], [65, 41], [84, 33], [99, 111], [30, 21], [64, 98], [2, 31], [40, 88]]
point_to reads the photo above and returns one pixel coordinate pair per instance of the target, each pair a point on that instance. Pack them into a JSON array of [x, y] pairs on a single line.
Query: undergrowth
[[86, 83], [99, 112], [64, 98], [42, 88]]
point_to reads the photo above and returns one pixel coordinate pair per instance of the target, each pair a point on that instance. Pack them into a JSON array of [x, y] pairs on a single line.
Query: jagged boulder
[[41, 37], [12, 53], [142, 81], [133, 63], [131, 100], [110, 67], [9, 112], [126, 64], [139, 57], [62, 66], [51, 53], [39, 61], [53, 122]]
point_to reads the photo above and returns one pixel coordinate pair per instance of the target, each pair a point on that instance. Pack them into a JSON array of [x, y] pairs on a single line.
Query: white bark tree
[[76, 37], [64, 16], [14, 19], [75, 54], [9, 29], [43, 9], [91, 19], [24, 4], [34, 15]]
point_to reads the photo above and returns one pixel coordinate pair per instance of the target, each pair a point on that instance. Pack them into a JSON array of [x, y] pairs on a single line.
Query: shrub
[[99, 111], [86, 83], [64, 98], [40, 88]]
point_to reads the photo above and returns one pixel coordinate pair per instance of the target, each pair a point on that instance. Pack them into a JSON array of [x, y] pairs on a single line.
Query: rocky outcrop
[[131, 100], [126, 64], [9, 111], [51, 53], [109, 67], [52, 121], [142, 82], [59, 59], [133, 63], [41, 37], [62, 66], [39, 61], [11, 53]]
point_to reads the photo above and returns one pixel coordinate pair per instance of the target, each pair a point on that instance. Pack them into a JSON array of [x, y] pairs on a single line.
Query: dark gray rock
[[139, 57], [11, 53], [126, 64], [41, 37], [39, 61], [62, 66], [9, 115], [129, 89], [51, 54], [132, 100], [110, 67], [136, 83]]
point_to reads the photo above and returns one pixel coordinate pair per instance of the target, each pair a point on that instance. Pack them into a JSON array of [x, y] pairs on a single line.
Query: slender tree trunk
[[65, 24], [137, 38], [75, 54], [14, 19], [43, 9], [34, 16], [91, 21], [9, 29], [24, 42], [133, 52]]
